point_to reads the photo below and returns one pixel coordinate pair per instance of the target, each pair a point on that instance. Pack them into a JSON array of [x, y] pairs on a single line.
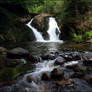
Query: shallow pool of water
[[37, 48]]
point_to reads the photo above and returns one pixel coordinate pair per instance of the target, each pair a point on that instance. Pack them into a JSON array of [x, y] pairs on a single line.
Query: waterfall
[[37, 34], [53, 31]]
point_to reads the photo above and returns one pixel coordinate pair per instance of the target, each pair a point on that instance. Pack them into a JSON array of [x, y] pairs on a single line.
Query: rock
[[71, 64], [2, 84], [49, 56], [41, 16], [59, 60], [65, 82], [2, 50], [87, 58], [87, 55], [89, 41], [33, 59], [17, 53], [57, 74], [56, 53], [87, 62], [12, 62], [30, 79], [68, 57], [79, 68], [45, 77], [77, 75], [40, 22], [88, 78], [76, 56], [45, 57]]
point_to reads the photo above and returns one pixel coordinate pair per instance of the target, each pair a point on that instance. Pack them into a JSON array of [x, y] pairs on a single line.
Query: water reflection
[[37, 48], [52, 47]]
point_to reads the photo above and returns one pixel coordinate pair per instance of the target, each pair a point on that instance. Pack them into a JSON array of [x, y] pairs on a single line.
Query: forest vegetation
[[74, 17]]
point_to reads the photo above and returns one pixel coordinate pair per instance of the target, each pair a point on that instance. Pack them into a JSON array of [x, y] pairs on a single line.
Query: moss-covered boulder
[[40, 22]]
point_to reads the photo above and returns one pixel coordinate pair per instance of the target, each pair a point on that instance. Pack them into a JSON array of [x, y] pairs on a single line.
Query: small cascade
[[42, 67], [53, 31], [37, 34]]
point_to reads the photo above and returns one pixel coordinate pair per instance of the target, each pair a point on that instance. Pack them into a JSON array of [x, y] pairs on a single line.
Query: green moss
[[2, 61], [89, 34], [77, 38], [9, 74], [6, 74]]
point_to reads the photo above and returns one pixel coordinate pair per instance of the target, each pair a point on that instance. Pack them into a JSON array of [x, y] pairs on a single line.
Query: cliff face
[[12, 24]]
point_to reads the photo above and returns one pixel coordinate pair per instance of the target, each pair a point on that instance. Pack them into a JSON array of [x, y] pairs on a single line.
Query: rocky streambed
[[54, 72]]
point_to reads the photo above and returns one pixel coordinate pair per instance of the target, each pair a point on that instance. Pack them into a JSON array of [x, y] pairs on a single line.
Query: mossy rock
[[10, 74]]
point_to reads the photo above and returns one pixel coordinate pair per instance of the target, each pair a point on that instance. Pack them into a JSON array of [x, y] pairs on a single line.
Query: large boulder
[[40, 22], [59, 60], [68, 57], [45, 77], [88, 78], [87, 58], [57, 73], [76, 55], [12, 62], [50, 56], [33, 59], [17, 53]]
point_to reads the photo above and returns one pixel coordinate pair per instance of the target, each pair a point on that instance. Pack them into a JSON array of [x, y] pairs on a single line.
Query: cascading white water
[[37, 34], [53, 31], [42, 67]]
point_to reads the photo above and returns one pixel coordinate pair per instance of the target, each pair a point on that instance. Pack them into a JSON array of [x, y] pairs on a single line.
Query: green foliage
[[89, 34], [39, 6], [8, 73], [69, 12], [86, 0], [77, 38]]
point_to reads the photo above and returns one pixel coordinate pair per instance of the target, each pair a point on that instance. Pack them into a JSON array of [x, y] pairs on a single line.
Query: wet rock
[[88, 78], [7, 83], [33, 59], [65, 82], [48, 57], [12, 62], [68, 57], [2, 50], [87, 62], [57, 74], [59, 61], [71, 64], [17, 53], [45, 57], [40, 22], [87, 58], [79, 68], [30, 79], [45, 77], [76, 56], [56, 53], [77, 75], [89, 41], [81, 86]]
